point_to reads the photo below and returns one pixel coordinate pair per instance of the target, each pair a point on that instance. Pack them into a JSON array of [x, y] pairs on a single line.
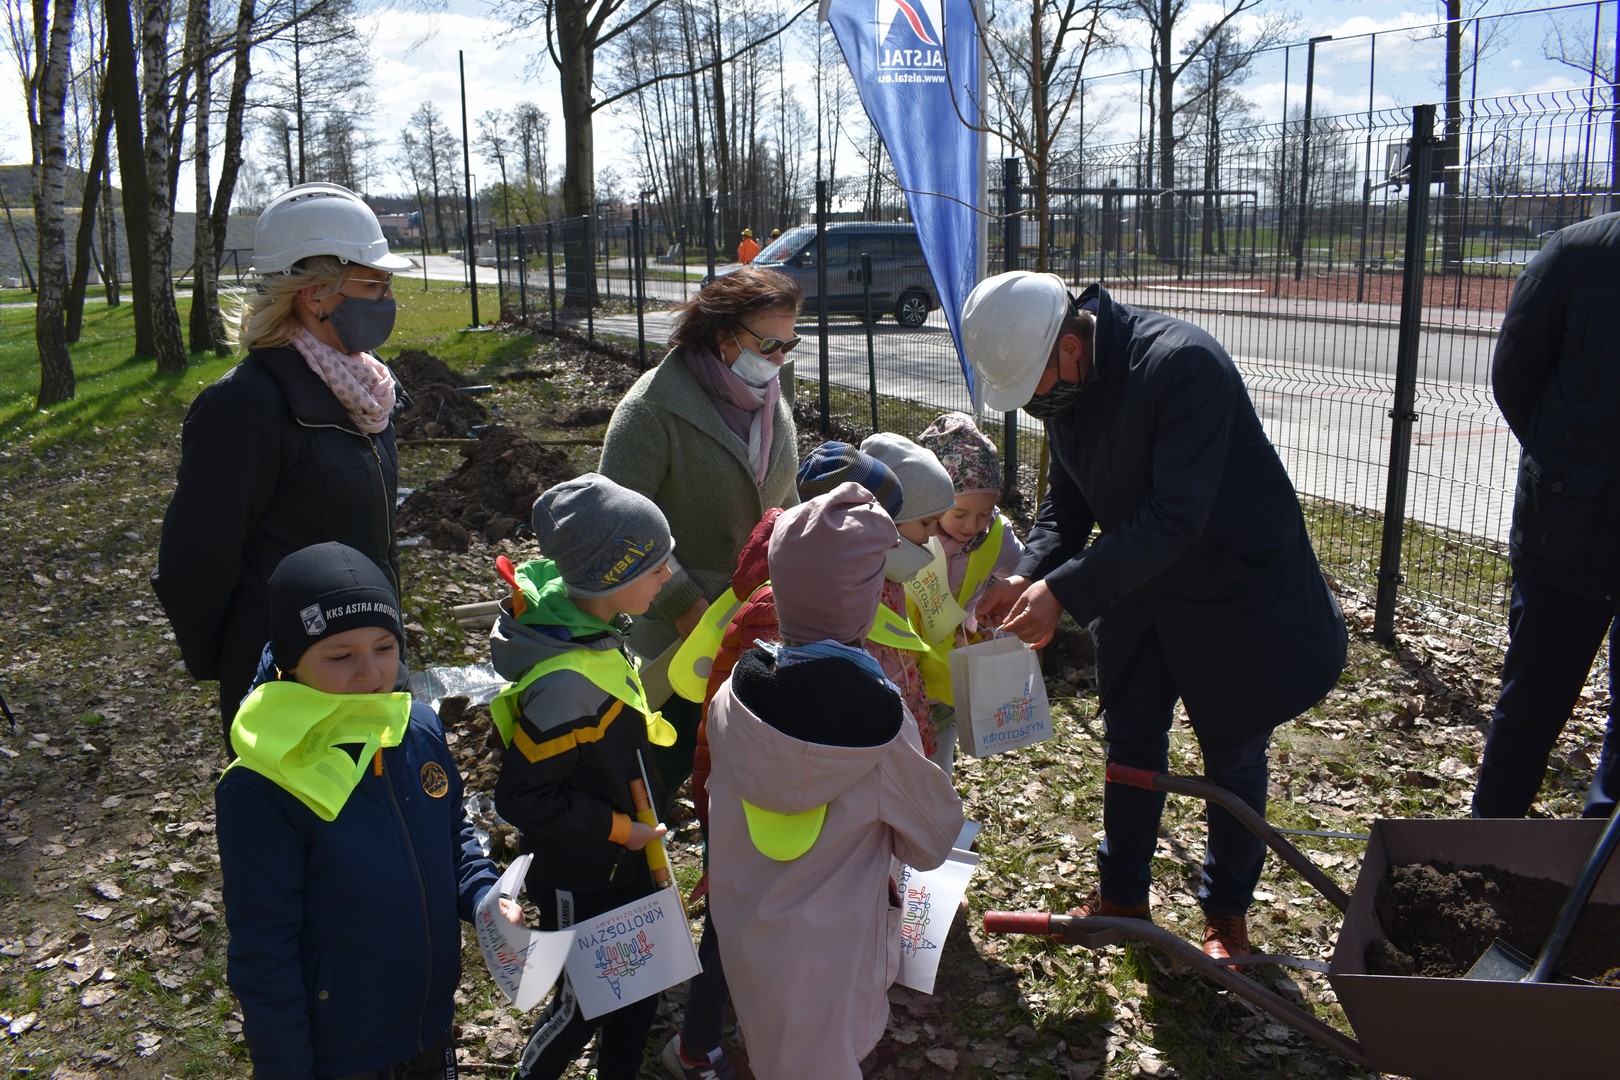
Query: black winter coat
[[1557, 379], [1202, 537], [269, 463]]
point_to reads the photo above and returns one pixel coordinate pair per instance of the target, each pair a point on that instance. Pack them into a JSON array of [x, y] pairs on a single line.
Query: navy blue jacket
[[345, 948], [1202, 537], [269, 463], [1556, 375]]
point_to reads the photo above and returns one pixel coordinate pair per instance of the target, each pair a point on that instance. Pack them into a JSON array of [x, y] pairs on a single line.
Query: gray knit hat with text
[[602, 536]]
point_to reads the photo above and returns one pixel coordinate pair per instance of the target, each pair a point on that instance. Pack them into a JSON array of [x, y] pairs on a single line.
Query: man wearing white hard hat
[[1202, 585]]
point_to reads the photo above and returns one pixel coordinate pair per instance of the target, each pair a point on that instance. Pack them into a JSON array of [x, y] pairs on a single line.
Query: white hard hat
[[320, 219], [1009, 324]]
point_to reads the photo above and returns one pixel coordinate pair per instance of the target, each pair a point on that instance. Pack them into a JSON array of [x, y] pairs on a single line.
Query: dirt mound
[[1440, 919], [438, 408], [806, 417], [490, 494], [600, 369]]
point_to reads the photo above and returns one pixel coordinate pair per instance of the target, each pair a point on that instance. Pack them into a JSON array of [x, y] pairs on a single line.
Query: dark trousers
[[1553, 637], [562, 1030], [437, 1062], [675, 762], [706, 998], [1138, 712]]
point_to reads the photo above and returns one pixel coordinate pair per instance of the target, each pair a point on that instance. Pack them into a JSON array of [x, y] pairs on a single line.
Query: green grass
[[122, 400]]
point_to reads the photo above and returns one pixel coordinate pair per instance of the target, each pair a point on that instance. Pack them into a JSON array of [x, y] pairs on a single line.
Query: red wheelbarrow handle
[[1096, 931], [1255, 823]]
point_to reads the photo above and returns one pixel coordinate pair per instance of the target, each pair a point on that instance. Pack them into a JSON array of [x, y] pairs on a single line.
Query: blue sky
[[414, 58]]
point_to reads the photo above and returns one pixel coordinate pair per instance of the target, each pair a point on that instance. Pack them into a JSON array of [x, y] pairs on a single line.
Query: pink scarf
[[362, 384], [749, 413]]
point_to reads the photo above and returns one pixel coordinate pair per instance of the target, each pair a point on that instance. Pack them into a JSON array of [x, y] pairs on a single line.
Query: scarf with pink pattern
[[362, 384]]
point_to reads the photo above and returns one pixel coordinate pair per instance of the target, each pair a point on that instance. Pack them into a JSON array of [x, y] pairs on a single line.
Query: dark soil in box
[[1441, 918]]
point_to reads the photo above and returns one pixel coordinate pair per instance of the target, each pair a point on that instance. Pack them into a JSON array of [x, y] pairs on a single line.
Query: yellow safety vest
[[694, 660], [689, 670], [937, 614], [294, 735], [609, 670]]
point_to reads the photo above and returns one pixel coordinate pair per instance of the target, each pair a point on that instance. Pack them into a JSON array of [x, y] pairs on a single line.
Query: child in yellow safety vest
[[926, 497], [733, 624], [346, 857], [975, 546], [576, 725]]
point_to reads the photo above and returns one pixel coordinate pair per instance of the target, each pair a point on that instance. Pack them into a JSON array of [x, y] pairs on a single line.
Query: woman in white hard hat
[[293, 446]]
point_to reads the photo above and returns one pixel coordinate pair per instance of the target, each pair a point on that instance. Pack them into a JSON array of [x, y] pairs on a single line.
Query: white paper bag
[[1000, 697], [631, 952]]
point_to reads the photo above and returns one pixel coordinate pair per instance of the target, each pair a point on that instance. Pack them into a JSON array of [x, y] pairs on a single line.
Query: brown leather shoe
[[1097, 904], [1227, 936]]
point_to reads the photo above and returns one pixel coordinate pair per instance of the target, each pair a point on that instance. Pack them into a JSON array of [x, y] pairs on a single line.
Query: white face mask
[[754, 369]]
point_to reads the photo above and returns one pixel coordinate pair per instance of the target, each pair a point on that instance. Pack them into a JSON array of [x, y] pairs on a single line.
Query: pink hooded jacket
[[812, 945]]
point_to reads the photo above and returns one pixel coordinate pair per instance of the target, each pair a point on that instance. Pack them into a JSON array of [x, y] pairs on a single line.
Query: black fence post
[[1305, 159], [641, 287], [1012, 229], [589, 248], [821, 306], [871, 345], [523, 271], [551, 275], [1404, 411], [708, 231]]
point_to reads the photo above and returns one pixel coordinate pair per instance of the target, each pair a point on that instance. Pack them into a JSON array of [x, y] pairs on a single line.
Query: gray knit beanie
[[601, 536], [925, 486]]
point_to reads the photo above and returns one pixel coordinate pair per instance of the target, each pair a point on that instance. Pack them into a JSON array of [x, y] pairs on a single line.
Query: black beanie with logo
[[327, 589]]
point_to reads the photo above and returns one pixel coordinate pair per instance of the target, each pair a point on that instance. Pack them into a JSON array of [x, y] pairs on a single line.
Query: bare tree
[[438, 148], [1211, 104], [50, 33], [1161, 18], [575, 31], [207, 330], [1036, 56], [166, 339], [533, 135], [1579, 48]]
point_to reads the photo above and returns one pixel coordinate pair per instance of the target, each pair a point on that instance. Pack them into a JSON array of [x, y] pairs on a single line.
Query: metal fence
[[1356, 266]]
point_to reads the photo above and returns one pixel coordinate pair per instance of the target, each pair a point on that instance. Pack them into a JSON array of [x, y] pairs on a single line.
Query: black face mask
[[1056, 402]]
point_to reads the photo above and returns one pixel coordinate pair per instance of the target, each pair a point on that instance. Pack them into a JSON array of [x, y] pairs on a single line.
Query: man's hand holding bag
[[1000, 697]]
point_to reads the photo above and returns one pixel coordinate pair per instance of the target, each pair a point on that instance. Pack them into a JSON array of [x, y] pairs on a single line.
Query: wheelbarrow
[[1431, 1028]]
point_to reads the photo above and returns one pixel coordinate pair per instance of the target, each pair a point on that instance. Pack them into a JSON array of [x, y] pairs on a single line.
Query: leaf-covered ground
[[112, 938]]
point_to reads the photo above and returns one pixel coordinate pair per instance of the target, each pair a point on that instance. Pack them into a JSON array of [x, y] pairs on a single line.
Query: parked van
[[901, 285]]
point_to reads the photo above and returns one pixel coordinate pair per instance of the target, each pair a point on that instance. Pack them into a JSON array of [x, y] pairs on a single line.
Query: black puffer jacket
[[1557, 379], [269, 463]]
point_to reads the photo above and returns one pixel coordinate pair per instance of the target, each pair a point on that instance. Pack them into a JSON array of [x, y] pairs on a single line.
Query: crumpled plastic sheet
[[478, 683]]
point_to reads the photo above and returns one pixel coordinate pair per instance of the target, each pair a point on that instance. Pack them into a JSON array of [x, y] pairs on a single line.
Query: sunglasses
[[769, 345]]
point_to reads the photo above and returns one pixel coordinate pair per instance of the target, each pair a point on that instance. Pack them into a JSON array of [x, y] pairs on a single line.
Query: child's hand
[[642, 834], [512, 910]]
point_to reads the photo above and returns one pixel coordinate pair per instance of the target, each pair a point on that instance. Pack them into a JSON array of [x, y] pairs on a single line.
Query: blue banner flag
[[898, 52]]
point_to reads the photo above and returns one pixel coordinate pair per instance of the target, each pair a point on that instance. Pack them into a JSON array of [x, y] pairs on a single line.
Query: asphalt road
[[1321, 376]]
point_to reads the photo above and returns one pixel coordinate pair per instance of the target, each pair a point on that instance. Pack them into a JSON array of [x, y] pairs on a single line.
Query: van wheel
[[912, 310]]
